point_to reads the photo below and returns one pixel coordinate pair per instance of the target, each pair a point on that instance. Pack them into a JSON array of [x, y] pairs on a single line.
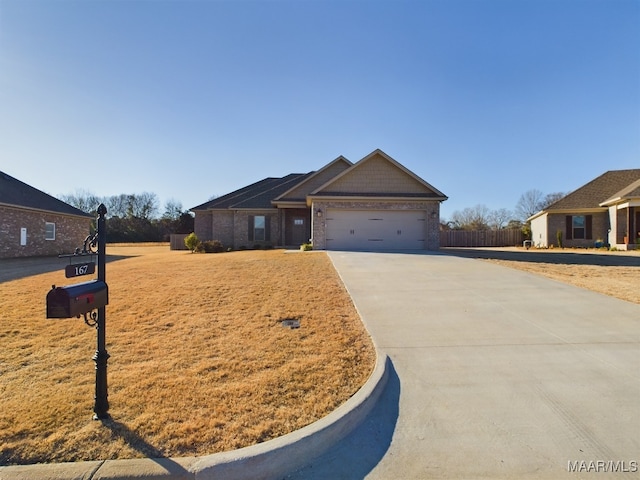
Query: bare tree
[[531, 202], [475, 218], [172, 209], [83, 200], [551, 198], [498, 219]]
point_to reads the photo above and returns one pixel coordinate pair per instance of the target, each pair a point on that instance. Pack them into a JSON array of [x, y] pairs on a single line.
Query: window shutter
[[250, 228], [569, 233], [267, 228], [588, 227]]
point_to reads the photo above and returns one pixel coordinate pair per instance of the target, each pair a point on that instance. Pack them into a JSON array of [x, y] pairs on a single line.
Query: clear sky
[[484, 99]]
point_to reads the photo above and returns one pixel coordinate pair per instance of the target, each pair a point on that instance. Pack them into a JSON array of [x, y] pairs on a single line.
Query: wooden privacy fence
[[176, 241], [482, 238]]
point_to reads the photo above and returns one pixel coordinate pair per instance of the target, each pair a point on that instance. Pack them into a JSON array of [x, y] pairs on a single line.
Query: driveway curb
[[269, 460]]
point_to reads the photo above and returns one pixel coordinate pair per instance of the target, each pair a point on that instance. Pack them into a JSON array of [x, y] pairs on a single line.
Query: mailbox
[[75, 300]]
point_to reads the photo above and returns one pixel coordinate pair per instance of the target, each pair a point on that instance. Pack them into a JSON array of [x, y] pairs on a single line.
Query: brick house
[[607, 210], [374, 204], [33, 223]]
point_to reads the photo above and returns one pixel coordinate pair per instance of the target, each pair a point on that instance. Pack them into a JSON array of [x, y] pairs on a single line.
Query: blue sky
[[484, 99]]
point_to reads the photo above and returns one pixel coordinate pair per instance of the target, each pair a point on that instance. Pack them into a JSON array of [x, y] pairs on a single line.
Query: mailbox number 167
[[79, 269]]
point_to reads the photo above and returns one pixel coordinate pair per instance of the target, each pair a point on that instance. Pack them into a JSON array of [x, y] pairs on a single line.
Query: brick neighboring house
[[33, 223], [607, 209], [374, 204]]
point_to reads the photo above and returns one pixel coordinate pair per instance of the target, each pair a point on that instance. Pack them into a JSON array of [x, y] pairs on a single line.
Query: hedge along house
[[606, 210], [374, 204], [33, 223]]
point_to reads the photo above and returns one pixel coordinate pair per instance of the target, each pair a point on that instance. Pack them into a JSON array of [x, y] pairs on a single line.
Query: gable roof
[[257, 195], [383, 177], [595, 193], [15, 193], [299, 192], [627, 193]]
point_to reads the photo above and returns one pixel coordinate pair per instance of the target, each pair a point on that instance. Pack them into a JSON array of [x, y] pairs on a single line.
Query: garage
[[375, 229]]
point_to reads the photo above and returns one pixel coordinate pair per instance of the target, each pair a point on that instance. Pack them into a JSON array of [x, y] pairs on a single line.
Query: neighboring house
[[33, 223], [605, 210], [374, 204]]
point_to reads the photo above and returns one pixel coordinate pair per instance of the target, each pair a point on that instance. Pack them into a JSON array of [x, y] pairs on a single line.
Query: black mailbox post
[[76, 300], [88, 299]]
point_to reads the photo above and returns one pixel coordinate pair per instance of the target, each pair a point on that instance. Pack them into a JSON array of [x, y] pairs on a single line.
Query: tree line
[[481, 217], [135, 217]]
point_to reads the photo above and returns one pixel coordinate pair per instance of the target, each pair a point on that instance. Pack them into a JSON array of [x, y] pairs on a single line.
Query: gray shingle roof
[[15, 193], [598, 190], [257, 195]]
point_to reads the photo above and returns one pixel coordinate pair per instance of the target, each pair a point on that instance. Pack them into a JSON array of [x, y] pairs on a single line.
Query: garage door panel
[[375, 229]]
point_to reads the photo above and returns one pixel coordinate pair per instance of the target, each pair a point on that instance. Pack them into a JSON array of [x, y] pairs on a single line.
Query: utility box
[[75, 300]]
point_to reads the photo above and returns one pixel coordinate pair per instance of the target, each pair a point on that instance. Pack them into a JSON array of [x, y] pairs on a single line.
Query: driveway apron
[[501, 373]]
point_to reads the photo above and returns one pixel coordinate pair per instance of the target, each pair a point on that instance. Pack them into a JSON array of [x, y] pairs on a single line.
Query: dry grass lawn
[[622, 282], [200, 362]]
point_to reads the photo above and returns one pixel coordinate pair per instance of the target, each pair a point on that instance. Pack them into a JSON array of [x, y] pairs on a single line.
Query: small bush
[[191, 241], [213, 246], [559, 237], [306, 247], [257, 246]]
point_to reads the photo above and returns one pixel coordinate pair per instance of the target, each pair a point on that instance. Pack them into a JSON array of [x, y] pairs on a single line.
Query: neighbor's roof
[[630, 191], [592, 195], [15, 193], [257, 195]]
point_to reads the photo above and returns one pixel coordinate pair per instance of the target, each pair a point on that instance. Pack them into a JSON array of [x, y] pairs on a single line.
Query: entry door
[[299, 231]]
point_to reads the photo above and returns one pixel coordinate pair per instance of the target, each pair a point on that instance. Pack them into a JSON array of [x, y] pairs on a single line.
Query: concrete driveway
[[496, 373]]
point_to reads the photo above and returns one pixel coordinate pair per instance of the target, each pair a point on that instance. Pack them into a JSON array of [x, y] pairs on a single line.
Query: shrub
[[306, 247], [191, 241], [213, 246], [257, 246], [559, 237]]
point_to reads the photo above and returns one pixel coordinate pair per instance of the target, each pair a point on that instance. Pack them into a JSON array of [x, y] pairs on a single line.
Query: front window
[[259, 227], [579, 226], [50, 231]]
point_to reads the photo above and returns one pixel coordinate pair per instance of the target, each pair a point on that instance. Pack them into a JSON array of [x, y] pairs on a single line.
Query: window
[[50, 231], [578, 226], [259, 227]]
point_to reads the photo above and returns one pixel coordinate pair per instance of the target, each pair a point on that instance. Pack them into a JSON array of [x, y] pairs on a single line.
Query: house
[[33, 223], [373, 204], [606, 210]]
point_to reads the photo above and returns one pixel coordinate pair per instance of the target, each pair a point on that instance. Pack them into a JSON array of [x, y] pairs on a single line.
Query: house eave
[[85, 216], [374, 197], [289, 203]]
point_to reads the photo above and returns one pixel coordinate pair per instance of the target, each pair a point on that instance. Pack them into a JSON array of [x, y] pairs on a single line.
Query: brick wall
[[599, 230], [70, 232], [202, 225]]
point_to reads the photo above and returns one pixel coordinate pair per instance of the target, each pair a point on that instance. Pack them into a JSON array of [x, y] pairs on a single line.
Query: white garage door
[[375, 229]]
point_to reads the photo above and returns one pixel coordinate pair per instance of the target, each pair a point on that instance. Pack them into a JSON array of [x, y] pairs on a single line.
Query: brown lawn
[[200, 362], [616, 274]]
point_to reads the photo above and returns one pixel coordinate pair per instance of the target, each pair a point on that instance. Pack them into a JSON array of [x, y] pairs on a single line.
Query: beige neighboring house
[[374, 204], [605, 210], [33, 223]]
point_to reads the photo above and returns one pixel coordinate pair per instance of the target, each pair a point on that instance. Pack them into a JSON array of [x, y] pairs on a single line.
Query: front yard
[[200, 360]]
